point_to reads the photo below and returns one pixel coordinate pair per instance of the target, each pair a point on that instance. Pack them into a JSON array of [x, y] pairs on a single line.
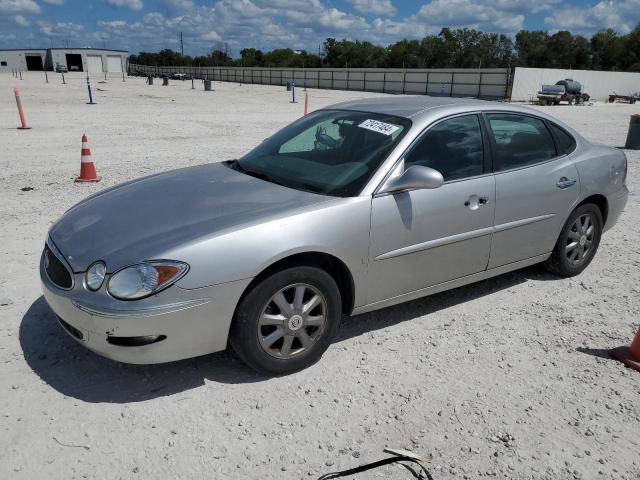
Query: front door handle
[[564, 182], [474, 202]]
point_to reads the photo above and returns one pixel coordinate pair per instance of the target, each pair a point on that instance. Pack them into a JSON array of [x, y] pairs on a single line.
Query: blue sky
[[150, 25]]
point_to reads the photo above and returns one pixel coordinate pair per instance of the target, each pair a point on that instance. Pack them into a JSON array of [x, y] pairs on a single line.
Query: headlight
[[95, 276], [144, 279]]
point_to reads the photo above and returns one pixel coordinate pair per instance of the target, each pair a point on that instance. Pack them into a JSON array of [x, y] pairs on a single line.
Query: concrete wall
[[16, 59], [528, 81], [457, 82]]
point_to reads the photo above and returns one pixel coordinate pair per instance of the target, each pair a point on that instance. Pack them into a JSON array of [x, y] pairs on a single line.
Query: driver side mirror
[[415, 177]]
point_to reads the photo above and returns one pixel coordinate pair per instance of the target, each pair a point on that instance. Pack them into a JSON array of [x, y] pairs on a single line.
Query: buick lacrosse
[[350, 209]]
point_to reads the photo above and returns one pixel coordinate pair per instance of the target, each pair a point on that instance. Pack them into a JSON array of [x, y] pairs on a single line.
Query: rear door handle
[[564, 182]]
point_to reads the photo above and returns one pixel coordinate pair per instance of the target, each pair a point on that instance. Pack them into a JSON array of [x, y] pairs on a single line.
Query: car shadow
[[76, 372]]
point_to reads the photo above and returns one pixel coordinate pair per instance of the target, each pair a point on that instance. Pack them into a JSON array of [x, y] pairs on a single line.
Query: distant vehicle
[[624, 98], [74, 68], [349, 209], [179, 76], [566, 90], [61, 68]]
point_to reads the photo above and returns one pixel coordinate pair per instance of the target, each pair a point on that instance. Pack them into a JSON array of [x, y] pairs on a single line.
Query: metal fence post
[[364, 82], [404, 81], [331, 79], [384, 81], [453, 75], [479, 84], [426, 85]]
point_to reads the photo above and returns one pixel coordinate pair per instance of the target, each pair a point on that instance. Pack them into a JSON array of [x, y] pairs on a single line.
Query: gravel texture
[[506, 378]]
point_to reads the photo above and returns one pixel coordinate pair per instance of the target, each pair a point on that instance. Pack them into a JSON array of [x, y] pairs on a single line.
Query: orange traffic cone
[[87, 170], [630, 356]]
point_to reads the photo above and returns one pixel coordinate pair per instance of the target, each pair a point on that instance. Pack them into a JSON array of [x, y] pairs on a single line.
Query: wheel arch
[[601, 202], [324, 261]]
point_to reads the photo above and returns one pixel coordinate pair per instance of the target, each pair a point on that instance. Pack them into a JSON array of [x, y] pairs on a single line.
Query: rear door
[[421, 238], [536, 186]]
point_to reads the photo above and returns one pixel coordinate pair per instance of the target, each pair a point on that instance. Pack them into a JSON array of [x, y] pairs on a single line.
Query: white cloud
[[621, 15], [130, 4], [19, 6], [54, 2], [21, 21], [113, 24], [61, 29], [179, 5], [373, 7]]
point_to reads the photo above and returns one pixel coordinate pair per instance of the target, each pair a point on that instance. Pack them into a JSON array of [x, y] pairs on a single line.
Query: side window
[[3, 63], [453, 147], [520, 140], [566, 141]]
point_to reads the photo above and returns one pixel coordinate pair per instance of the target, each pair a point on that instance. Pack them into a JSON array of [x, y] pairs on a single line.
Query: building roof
[[60, 48]]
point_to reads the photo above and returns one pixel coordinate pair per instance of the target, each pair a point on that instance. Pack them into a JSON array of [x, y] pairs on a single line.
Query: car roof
[[410, 105]]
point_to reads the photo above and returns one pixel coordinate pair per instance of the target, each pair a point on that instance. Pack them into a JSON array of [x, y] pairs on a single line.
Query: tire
[[271, 310], [562, 261]]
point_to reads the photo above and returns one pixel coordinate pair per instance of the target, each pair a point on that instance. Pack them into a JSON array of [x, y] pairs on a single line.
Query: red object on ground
[[23, 122], [87, 169], [306, 103], [630, 355]]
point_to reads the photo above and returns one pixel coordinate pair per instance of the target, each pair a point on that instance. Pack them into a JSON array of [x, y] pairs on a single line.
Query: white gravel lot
[[507, 378]]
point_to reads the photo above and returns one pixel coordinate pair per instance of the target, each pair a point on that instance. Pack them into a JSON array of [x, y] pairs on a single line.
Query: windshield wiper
[[235, 164]]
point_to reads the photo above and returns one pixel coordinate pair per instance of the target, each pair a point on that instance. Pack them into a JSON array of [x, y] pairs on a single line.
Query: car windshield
[[331, 152]]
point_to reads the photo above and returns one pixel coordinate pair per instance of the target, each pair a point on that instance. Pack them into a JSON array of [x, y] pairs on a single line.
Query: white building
[[93, 60]]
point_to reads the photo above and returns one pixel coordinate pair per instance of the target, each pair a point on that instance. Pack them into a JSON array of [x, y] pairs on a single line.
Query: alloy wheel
[[292, 320], [580, 239]]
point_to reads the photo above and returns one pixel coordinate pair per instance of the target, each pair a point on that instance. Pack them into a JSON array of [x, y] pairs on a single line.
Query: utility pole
[[181, 45]]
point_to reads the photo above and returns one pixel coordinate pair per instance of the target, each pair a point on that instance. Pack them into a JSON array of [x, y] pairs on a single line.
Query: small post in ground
[[90, 102], [23, 122]]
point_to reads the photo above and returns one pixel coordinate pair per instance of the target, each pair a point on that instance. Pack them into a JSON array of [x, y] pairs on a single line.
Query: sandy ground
[[507, 378]]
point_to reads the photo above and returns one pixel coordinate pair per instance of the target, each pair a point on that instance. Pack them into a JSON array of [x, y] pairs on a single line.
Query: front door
[[421, 238]]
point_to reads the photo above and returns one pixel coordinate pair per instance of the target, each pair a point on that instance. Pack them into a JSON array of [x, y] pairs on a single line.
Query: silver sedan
[[350, 209]]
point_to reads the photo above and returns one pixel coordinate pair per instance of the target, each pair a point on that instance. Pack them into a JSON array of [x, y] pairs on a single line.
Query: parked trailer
[[566, 90], [624, 98]]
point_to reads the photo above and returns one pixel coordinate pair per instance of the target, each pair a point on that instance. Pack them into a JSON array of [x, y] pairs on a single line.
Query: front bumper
[[185, 322]]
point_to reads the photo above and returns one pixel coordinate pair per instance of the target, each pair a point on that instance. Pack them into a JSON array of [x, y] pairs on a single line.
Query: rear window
[[566, 142]]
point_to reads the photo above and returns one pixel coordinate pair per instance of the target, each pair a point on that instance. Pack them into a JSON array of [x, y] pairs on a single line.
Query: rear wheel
[[578, 242], [286, 322]]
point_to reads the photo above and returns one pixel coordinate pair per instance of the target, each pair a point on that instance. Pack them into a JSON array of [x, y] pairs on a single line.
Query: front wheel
[[578, 242], [287, 321]]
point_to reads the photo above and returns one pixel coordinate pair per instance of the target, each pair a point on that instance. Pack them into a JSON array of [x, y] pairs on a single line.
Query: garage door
[[94, 63], [114, 63]]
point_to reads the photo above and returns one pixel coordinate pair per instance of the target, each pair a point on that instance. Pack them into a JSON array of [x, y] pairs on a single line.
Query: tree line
[[451, 48]]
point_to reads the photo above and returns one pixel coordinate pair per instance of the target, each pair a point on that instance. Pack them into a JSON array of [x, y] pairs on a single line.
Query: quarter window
[[453, 147], [566, 141], [520, 140]]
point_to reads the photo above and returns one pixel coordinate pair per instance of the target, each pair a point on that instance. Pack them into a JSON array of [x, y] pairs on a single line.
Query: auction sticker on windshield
[[380, 127]]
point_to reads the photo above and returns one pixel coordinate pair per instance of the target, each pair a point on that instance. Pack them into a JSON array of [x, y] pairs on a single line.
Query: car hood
[[141, 219]]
